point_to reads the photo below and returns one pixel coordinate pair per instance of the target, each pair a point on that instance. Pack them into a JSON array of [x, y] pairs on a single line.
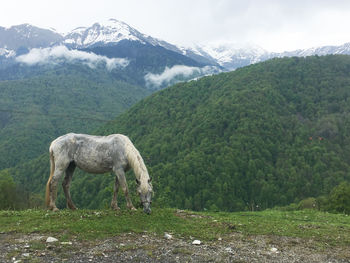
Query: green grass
[[323, 228]]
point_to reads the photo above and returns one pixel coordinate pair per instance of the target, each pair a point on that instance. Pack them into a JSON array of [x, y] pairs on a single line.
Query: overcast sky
[[272, 24]]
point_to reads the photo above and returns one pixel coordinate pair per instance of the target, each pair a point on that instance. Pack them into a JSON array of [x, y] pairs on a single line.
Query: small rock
[[196, 242], [274, 250], [168, 236], [219, 238], [26, 246], [229, 250], [66, 243], [25, 255], [51, 240]]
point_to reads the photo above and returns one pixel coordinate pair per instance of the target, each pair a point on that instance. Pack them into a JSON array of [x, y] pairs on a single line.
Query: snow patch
[[4, 52], [61, 53]]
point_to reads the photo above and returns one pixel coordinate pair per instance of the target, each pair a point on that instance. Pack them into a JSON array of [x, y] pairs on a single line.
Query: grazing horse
[[97, 154]]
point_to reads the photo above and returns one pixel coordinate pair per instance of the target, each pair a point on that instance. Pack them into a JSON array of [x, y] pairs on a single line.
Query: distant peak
[[112, 22]]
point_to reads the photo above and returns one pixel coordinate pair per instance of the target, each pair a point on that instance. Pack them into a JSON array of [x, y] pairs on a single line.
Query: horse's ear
[[150, 179], [137, 181]]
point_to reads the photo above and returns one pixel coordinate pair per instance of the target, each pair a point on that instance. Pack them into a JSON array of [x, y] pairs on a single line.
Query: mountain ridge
[[229, 56]]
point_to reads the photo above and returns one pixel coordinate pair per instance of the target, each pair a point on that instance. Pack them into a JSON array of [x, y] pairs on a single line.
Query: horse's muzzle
[[147, 211], [147, 208]]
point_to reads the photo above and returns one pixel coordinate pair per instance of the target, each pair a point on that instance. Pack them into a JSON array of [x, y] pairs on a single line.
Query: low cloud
[[177, 72], [61, 53]]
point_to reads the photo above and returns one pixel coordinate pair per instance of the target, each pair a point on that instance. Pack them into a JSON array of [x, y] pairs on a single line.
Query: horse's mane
[[136, 163]]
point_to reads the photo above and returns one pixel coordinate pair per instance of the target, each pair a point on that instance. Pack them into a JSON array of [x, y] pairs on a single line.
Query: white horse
[[97, 154]]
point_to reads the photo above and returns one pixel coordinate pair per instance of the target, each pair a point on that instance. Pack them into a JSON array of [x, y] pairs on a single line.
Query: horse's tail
[[52, 170]]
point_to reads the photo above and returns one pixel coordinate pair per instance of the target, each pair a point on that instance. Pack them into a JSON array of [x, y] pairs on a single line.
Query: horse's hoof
[[133, 209], [116, 208], [55, 209]]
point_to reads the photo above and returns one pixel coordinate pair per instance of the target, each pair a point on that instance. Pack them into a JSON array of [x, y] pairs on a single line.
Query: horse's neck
[[136, 162]]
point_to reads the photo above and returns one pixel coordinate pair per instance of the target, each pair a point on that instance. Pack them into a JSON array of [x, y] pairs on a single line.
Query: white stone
[[196, 242], [229, 250], [274, 250], [168, 236], [66, 243], [51, 240]]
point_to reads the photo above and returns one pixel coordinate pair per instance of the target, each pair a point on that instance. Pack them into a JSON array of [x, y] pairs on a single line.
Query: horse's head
[[145, 191]]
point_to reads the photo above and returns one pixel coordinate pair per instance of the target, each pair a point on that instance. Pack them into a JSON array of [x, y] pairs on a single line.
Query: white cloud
[[62, 53], [169, 74]]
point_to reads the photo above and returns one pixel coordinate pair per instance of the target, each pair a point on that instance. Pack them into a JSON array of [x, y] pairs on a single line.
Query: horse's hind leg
[[114, 203], [66, 185], [53, 188]]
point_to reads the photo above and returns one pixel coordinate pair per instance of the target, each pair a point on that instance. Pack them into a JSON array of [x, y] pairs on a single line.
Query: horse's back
[[73, 138], [96, 154]]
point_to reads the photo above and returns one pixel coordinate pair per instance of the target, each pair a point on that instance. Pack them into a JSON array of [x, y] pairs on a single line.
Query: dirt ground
[[148, 247]]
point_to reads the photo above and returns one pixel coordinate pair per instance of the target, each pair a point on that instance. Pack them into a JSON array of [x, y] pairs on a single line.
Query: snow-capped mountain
[[27, 36], [231, 55], [321, 51], [17, 40], [110, 31]]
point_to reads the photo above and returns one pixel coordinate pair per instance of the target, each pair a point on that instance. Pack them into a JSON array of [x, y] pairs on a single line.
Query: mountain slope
[[264, 135], [144, 59]]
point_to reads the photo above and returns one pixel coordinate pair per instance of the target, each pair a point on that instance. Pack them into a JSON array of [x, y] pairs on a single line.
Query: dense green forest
[[35, 110], [265, 135]]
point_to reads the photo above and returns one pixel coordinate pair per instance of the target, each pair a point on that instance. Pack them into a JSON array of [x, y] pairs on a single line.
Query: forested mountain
[[56, 100], [264, 135]]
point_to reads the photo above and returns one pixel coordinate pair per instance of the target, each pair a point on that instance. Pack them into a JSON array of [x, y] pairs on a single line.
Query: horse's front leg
[[114, 203], [122, 181]]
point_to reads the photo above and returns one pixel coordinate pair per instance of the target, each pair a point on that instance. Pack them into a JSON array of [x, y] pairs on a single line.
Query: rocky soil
[[146, 247]]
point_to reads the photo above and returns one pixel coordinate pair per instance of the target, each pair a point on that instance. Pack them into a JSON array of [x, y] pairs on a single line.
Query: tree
[[8, 198], [339, 198]]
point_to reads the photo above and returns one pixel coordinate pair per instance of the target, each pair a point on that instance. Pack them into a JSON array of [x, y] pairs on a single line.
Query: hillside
[[41, 105], [265, 135]]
